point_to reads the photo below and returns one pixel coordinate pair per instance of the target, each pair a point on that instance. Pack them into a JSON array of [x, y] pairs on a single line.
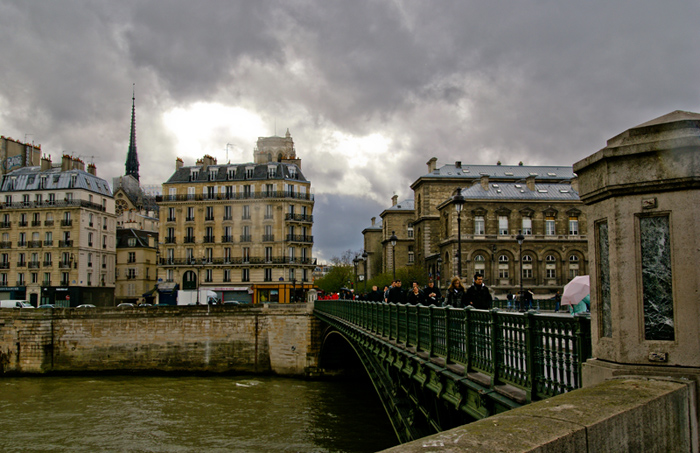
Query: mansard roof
[[141, 236], [503, 172], [517, 191], [406, 205], [29, 178], [283, 172]]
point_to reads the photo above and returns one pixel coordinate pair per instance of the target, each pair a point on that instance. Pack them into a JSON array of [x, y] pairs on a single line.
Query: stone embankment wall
[[281, 339]]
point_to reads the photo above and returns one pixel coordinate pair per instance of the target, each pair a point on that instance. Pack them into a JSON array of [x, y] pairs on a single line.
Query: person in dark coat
[[415, 296], [375, 295], [396, 294], [455, 294], [478, 295], [433, 296]]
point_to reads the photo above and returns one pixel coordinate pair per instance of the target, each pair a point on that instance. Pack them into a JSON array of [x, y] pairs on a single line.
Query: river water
[[190, 414]]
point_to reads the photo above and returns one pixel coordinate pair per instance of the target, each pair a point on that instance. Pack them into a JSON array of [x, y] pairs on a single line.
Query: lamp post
[[520, 238], [355, 261], [201, 266], [364, 265], [439, 269], [393, 239], [458, 201]]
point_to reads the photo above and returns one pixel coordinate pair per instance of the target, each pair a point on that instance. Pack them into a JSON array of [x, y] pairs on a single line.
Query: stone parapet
[[620, 415], [276, 339]]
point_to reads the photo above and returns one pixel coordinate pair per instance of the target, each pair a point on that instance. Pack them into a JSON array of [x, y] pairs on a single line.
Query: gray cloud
[[537, 81]]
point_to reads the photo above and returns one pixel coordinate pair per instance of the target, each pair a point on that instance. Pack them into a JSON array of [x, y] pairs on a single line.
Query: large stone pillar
[[642, 195]]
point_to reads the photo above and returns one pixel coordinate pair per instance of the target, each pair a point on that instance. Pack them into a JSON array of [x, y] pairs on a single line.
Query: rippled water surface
[[184, 414]]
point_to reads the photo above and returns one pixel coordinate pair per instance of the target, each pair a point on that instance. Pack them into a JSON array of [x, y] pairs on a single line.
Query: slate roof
[[514, 172], [284, 171], [124, 234], [28, 178], [406, 205], [515, 191]]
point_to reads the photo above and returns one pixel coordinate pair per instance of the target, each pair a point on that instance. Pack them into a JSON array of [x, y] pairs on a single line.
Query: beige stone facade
[[57, 241], [243, 231], [136, 275]]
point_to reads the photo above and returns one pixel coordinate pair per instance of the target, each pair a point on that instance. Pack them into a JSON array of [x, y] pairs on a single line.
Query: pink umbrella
[[576, 290]]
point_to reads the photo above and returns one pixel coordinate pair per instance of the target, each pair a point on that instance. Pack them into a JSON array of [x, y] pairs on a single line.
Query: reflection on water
[[183, 414]]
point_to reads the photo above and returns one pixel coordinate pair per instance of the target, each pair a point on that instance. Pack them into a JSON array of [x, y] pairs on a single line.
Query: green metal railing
[[541, 354]]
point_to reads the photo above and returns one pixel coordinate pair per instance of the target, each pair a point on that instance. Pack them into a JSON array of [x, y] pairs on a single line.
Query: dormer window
[[292, 172], [271, 171], [73, 180], [212, 175], [249, 171], [231, 173], [193, 175]]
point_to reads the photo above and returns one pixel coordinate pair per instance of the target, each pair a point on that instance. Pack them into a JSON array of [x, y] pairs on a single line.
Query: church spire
[[132, 159]]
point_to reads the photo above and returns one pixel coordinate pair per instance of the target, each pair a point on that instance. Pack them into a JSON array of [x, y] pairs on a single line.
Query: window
[[245, 254], [503, 259], [550, 266], [210, 213], [410, 231], [549, 226], [90, 239], [551, 273], [527, 273], [479, 264], [411, 257], [227, 213], [190, 214], [247, 191], [527, 226], [245, 275], [268, 275], [268, 211], [132, 257], [271, 171], [502, 224], [268, 254], [249, 171], [573, 225], [227, 275], [246, 212], [479, 225], [171, 214], [209, 275], [292, 275]]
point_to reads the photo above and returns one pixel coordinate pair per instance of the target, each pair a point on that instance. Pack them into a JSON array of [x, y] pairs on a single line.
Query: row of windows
[[526, 226], [245, 213], [245, 254], [66, 260], [66, 219], [247, 172], [47, 281], [528, 258], [50, 199], [527, 273], [227, 276], [48, 240]]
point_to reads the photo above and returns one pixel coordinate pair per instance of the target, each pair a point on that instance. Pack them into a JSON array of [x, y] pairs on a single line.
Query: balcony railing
[[299, 238], [226, 238], [48, 264], [22, 264], [268, 238], [34, 265], [35, 244], [208, 239], [299, 217], [48, 222], [236, 261], [5, 244], [189, 240], [170, 240], [53, 204], [36, 223], [246, 238], [5, 224], [48, 243], [4, 265], [68, 243], [23, 223], [235, 196], [66, 222]]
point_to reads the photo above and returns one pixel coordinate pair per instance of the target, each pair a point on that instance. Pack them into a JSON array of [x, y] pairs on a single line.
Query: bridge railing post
[[496, 346], [531, 355], [431, 331], [468, 340]]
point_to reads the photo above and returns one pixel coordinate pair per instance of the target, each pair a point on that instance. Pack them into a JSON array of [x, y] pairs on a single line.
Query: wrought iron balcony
[[68, 243]]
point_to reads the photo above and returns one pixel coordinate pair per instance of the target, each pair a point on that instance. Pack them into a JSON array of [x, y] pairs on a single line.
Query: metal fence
[[541, 354]]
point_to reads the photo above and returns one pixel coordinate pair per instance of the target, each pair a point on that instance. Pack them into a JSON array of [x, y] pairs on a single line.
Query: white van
[[15, 304]]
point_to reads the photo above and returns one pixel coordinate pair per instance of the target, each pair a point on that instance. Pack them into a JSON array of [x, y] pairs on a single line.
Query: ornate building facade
[[57, 235], [242, 231]]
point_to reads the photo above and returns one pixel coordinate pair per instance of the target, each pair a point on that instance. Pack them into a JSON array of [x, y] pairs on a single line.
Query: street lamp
[[439, 269], [355, 261], [458, 201], [364, 264], [520, 238], [393, 239]]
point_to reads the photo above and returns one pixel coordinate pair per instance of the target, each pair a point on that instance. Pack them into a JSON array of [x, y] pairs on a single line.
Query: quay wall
[[279, 339]]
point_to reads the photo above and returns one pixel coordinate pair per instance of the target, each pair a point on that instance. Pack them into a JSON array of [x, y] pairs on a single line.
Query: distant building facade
[[57, 240], [244, 231], [501, 201], [15, 154], [137, 252]]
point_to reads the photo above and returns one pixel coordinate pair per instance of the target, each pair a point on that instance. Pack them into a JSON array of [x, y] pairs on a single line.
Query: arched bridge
[[437, 368]]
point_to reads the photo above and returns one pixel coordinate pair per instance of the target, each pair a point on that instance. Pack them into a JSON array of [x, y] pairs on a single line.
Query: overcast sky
[[370, 90]]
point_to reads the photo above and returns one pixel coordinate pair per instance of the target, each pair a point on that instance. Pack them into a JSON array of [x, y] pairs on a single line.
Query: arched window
[[503, 259], [479, 258], [527, 259], [527, 266], [573, 259], [550, 266], [550, 259], [480, 265], [503, 268]]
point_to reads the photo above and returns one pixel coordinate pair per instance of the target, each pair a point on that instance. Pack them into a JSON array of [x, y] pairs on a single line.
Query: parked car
[[144, 305], [15, 304], [85, 306], [47, 306], [125, 305]]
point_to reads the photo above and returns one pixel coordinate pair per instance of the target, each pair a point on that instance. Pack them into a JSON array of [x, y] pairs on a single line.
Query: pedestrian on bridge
[[375, 295], [396, 294], [433, 296], [478, 295], [415, 296], [455, 293]]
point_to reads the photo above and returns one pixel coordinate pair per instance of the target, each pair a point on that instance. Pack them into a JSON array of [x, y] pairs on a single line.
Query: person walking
[[432, 293], [455, 294], [478, 295], [396, 294], [415, 296]]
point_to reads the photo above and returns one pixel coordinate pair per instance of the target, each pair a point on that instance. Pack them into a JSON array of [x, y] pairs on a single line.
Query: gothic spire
[[132, 159]]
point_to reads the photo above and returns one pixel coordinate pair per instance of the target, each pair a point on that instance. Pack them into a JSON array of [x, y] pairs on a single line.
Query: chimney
[[92, 169], [485, 182], [77, 164], [178, 164], [432, 163], [458, 164], [45, 163], [66, 162], [374, 219], [394, 200], [530, 181], [206, 161], [151, 241]]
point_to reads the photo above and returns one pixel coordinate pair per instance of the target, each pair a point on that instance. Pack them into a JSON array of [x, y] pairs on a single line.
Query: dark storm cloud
[[538, 81]]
